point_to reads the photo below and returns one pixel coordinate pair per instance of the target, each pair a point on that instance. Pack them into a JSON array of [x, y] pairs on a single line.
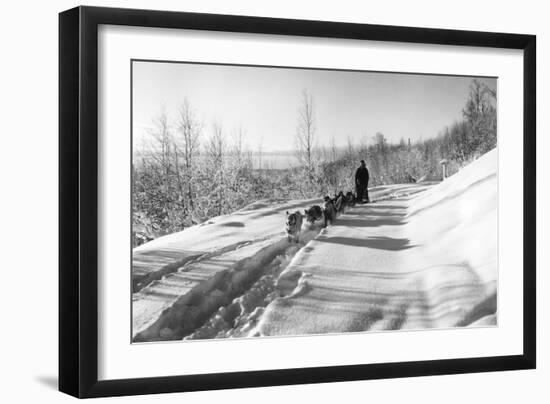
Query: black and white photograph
[[278, 201], [275, 202]]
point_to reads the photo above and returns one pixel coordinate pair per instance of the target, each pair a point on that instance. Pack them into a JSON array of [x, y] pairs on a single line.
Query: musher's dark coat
[[362, 176], [362, 183]]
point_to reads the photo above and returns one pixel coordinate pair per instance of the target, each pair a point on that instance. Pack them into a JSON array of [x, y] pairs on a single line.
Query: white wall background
[[28, 203]]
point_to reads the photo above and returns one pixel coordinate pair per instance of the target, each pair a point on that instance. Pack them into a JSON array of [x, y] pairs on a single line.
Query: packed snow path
[[180, 279], [416, 261], [362, 274], [420, 256], [153, 260]]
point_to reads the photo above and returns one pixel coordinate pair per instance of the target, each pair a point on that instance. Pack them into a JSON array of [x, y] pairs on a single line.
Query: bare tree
[[161, 142], [160, 152], [490, 91], [260, 154], [305, 136], [333, 150], [189, 130], [480, 114], [238, 142], [215, 149], [350, 150]]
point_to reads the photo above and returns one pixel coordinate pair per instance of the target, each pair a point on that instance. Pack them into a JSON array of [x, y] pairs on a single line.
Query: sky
[[264, 101]]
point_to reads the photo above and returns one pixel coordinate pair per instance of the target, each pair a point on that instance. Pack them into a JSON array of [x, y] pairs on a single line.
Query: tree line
[[187, 172]]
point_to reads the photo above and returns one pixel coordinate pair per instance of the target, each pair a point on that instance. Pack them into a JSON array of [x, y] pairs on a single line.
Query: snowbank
[[415, 260]]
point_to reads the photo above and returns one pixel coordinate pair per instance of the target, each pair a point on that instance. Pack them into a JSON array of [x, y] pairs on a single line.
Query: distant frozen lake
[[276, 160]]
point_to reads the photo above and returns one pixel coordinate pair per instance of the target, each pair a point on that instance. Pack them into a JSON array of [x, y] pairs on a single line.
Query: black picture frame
[[78, 200]]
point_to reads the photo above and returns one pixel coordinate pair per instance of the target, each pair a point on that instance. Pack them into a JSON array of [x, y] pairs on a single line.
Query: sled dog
[[293, 226], [350, 199], [339, 202], [313, 214], [329, 212]]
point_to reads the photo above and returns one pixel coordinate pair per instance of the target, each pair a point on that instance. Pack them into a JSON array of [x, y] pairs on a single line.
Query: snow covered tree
[[480, 115]]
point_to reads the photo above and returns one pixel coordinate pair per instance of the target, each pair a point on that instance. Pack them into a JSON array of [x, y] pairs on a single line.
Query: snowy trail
[[237, 318], [412, 260], [178, 302], [421, 256], [161, 309], [157, 258], [347, 270]]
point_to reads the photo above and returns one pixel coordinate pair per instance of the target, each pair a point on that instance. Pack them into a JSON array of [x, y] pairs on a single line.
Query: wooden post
[[444, 165]]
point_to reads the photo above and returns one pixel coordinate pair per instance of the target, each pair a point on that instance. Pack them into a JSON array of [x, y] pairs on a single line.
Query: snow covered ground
[[421, 256], [180, 279]]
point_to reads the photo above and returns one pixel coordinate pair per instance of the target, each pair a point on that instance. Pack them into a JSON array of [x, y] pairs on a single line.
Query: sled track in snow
[[188, 259], [219, 287], [396, 264], [220, 294]]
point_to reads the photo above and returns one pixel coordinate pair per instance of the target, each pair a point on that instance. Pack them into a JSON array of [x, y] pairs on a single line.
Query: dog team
[[326, 213], [331, 206]]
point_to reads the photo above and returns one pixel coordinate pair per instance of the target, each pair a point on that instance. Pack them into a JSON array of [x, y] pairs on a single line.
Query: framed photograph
[[250, 201]]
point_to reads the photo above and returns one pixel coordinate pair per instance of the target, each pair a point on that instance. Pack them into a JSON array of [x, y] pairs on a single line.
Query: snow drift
[[413, 261]]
